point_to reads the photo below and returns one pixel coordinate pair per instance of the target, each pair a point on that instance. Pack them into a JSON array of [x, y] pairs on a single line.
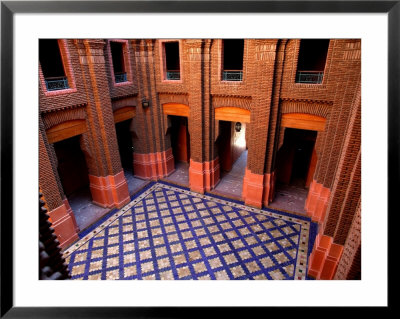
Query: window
[[117, 54], [172, 66], [232, 64], [52, 65], [312, 59]]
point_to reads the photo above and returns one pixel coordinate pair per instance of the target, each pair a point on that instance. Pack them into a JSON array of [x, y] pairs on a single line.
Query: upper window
[[52, 65], [232, 63], [172, 65], [117, 55], [312, 59]]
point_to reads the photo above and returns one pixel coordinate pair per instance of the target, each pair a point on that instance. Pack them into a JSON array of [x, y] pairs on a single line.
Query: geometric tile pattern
[[169, 233]]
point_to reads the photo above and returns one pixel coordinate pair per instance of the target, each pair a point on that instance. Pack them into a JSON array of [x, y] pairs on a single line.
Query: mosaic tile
[[168, 233]]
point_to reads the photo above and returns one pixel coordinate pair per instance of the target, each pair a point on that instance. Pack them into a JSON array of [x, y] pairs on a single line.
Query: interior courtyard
[[204, 159]]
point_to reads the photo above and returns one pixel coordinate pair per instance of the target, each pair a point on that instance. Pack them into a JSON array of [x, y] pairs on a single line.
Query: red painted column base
[[269, 188], [64, 224], [203, 176], [253, 189], [324, 258], [317, 201], [109, 191], [153, 165]]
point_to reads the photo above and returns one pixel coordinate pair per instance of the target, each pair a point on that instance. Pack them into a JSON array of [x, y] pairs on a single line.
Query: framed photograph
[[372, 31]]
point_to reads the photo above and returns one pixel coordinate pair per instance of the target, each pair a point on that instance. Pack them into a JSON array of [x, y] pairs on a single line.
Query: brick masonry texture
[[268, 90]]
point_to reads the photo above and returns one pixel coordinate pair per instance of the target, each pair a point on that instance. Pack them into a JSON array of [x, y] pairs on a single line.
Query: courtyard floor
[[231, 183], [169, 232]]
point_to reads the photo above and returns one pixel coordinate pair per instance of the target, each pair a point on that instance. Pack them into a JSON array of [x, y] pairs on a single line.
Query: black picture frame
[[9, 8]]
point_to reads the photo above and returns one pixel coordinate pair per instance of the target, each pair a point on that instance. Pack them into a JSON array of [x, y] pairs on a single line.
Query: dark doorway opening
[[125, 137], [72, 168], [295, 163], [232, 152], [294, 157], [74, 177], [180, 140], [180, 144], [125, 146]]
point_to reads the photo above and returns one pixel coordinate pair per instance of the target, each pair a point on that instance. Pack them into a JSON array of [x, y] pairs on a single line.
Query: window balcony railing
[[120, 77], [56, 83], [232, 75], [173, 75], [311, 77]]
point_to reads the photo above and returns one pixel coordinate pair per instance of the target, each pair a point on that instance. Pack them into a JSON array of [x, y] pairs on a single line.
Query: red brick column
[[153, 165], [109, 191], [203, 176], [107, 181], [253, 189], [350, 264], [324, 259], [317, 201]]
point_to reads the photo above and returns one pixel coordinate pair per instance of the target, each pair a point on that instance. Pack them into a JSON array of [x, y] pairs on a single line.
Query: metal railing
[[56, 83], [120, 77], [312, 77], [173, 75], [232, 75]]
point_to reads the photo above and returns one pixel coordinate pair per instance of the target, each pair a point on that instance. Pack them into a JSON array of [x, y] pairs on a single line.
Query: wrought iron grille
[[120, 77], [228, 75], [173, 75], [313, 77], [56, 83]]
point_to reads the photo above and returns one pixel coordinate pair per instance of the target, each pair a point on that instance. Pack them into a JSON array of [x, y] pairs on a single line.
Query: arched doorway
[[124, 128], [73, 172], [232, 149], [295, 164], [179, 137]]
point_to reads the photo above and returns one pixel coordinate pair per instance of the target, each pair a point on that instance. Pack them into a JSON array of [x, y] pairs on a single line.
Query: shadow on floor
[[180, 175], [290, 198], [86, 213]]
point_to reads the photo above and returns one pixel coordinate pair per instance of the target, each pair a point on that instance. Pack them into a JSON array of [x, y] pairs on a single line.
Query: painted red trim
[[204, 176], [64, 224], [317, 201], [324, 258], [109, 191], [153, 165], [253, 189]]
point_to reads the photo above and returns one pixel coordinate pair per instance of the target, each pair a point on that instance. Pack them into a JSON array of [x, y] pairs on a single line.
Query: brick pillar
[[107, 182], [343, 203], [273, 127], [152, 158], [324, 258], [203, 170], [259, 75], [350, 264]]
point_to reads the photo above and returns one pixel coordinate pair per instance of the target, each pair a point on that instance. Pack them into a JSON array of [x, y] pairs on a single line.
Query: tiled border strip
[[303, 244]]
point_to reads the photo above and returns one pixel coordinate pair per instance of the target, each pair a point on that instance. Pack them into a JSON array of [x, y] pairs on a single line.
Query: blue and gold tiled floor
[[169, 232]]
